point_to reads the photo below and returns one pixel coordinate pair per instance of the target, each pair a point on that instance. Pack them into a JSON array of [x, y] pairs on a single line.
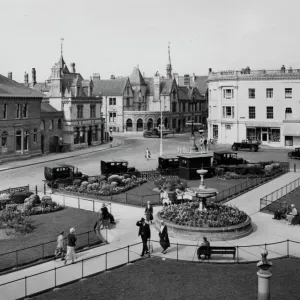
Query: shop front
[[266, 135], [291, 133]]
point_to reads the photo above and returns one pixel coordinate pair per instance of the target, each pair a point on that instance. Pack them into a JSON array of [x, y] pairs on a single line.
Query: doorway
[[264, 136]]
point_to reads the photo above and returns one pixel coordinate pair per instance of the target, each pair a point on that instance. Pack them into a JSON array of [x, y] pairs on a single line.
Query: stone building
[[255, 104], [20, 112]]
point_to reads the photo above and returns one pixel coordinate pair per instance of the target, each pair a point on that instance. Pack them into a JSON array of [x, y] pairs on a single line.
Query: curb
[[54, 159]]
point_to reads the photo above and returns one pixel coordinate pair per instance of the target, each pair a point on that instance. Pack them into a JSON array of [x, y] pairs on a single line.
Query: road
[[133, 150]]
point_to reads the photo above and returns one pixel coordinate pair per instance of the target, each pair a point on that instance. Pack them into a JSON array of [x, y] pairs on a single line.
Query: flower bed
[[216, 215], [102, 186]]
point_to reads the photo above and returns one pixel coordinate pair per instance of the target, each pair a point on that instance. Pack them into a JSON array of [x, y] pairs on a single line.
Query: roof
[[110, 87], [165, 85], [11, 88], [197, 81], [46, 107], [114, 161], [169, 156], [136, 77], [196, 155], [225, 152]]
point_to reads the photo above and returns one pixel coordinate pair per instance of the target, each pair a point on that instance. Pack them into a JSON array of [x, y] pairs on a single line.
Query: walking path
[[265, 230]]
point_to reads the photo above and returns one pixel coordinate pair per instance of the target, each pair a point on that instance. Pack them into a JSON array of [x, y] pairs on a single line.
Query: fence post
[[288, 248], [265, 246], [93, 205], [128, 254], [126, 197], [64, 200], [55, 277], [88, 239], [106, 235], [237, 254], [111, 197], [177, 251], [36, 189], [82, 268], [43, 250], [17, 259], [25, 286], [44, 188], [142, 200], [294, 167], [105, 261], [78, 203]]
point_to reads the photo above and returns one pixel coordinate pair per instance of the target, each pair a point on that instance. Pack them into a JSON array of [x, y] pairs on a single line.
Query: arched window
[[129, 125], [43, 125], [51, 125], [59, 124], [4, 139], [18, 140], [139, 125]]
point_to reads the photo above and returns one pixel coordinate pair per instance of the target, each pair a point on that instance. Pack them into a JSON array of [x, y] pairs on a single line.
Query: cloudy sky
[[111, 37]]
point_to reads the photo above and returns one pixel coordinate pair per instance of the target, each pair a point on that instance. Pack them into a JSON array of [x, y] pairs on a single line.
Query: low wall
[[212, 233]]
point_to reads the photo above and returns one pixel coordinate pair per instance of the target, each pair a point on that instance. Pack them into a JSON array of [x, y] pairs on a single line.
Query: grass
[[48, 226], [157, 279]]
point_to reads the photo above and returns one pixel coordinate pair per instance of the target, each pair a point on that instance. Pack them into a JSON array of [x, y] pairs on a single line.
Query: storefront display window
[[215, 132], [274, 135], [251, 134]]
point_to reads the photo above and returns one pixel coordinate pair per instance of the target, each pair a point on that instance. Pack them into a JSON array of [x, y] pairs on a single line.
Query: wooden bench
[[208, 251]]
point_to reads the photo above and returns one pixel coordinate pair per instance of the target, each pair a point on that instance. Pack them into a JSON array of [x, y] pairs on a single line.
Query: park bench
[[208, 251]]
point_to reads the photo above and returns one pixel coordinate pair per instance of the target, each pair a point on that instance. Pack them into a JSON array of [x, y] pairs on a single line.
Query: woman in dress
[[164, 237], [290, 217], [149, 212], [147, 154]]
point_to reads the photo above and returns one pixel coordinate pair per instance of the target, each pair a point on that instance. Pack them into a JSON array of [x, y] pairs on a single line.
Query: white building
[[260, 104]]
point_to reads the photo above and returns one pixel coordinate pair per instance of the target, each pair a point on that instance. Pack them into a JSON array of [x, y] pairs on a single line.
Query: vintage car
[[115, 166], [251, 145], [155, 132], [295, 153], [168, 164], [227, 158]]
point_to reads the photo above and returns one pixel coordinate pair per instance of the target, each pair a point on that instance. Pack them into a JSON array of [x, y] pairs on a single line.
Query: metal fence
[[61, 275], [45, 251], [279, 193], [16, 189]]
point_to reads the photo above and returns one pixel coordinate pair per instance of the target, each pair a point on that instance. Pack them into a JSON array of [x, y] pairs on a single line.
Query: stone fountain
[[201, 193]]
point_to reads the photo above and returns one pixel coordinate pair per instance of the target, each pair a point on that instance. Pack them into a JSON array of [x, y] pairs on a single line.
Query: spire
[[61, 46], [169, 65]]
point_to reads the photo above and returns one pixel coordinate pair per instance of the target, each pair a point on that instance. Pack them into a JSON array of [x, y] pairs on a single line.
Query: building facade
[[20, 112], [259, 105]]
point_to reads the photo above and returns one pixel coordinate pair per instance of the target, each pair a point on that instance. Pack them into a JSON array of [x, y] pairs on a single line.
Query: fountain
[[201, 193]]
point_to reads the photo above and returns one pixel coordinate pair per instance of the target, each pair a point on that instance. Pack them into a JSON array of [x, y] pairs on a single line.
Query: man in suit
[[281, 212], [145, 234]]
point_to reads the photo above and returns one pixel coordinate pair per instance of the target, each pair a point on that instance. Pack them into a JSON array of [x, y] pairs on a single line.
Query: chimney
[[112, 77], [176, 76], [209, 70], [96, 76], [156, 87], [9, 75], [26, 78], [33, 76], [73, 70]]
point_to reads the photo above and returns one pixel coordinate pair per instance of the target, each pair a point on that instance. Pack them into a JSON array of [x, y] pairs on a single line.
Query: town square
[[149, 150]]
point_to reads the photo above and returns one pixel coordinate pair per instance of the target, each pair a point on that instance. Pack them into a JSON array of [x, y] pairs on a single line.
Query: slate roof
[[11, 88], [165, 85], [136, 77], [183, 93], [47, 108], [200, 83], [110, 87], [186, 93]]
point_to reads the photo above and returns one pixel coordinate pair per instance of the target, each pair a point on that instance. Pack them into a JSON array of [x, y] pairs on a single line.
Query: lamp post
[[193, 139], [161, 134]]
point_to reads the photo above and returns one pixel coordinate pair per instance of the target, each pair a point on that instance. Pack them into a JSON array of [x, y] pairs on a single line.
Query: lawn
[[48, 227], [157, 279]]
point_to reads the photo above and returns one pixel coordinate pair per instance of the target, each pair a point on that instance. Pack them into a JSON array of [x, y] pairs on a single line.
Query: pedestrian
[[205, 145], [71, 246], [149, 212], [59, 251], [201, 143], [107, 214], [164, 237], [147, 154], [145, 234], [173, 131]]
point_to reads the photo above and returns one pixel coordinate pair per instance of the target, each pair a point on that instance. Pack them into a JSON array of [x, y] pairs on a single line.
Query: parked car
[[227, 158], [168, 164], [155, 132], [252, 145], [295, 153], [116, 166]]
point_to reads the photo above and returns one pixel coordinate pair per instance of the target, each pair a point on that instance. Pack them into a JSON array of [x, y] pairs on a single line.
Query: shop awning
[[291, 129]]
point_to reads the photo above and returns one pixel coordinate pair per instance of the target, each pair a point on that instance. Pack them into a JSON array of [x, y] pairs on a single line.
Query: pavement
[[265, 231]]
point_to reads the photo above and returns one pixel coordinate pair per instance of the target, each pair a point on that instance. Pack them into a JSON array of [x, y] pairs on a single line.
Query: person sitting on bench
[[281, 212], [107, 214], [165, 197], [290, 217], [204, 249]]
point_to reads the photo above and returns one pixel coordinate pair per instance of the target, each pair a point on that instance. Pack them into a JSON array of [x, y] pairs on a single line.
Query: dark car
[[295, 153], [168, 164], [115, 166], [155, 132], [251, 145], [227, 158]]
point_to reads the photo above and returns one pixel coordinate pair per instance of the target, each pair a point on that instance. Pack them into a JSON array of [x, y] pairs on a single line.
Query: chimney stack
[[73, 67], [112, 77], [9, 75], [33, 76], [209, 70], [96, 76], [26, 78]]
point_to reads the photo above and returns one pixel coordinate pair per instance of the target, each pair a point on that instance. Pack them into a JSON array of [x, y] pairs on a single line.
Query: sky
[[112, 37]]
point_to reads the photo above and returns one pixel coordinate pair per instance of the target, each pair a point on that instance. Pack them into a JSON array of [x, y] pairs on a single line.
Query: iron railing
[[16, 189]]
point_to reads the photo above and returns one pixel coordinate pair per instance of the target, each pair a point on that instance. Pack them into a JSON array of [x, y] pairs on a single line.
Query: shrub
[[101, 178], [52, 207], [126, 176], [77, 182], [92, 180], [4, 197], [11, 207], [89, 187], [33, 199], [46, 200], [19, 197], [95, 186], [115, 178], [84, 184], [113, 184]]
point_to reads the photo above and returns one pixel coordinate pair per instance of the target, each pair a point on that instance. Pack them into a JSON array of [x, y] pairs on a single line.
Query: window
[[251, 93], [93, 111], [26, 140], [112, 101], [112, 117], [228, 127], [51, 125], [215, 131], [128, 102], [76, 136], [42, 125], [79, 111], [190, 107], [288, 110], [288, 93], [183, 107], [228, 93], [18, 107], [174, 106], [35, 136], [4, 112], [252, 112], [228, 112], [24, 110], [274, 135], [269, 93], [18, 140], [59, 124], [4, 139], [270, 113]]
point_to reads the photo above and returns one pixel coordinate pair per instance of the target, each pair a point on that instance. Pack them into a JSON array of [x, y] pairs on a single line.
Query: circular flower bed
[[215, 215]]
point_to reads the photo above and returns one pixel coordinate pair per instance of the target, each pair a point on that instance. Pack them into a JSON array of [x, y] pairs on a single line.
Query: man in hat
[[281, 212], [107, 214], [59, 251], [71, 246], [145, 234]]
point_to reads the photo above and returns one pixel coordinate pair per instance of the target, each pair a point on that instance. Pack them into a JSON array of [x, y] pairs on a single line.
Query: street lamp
[[193, 139], [161, 134]]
